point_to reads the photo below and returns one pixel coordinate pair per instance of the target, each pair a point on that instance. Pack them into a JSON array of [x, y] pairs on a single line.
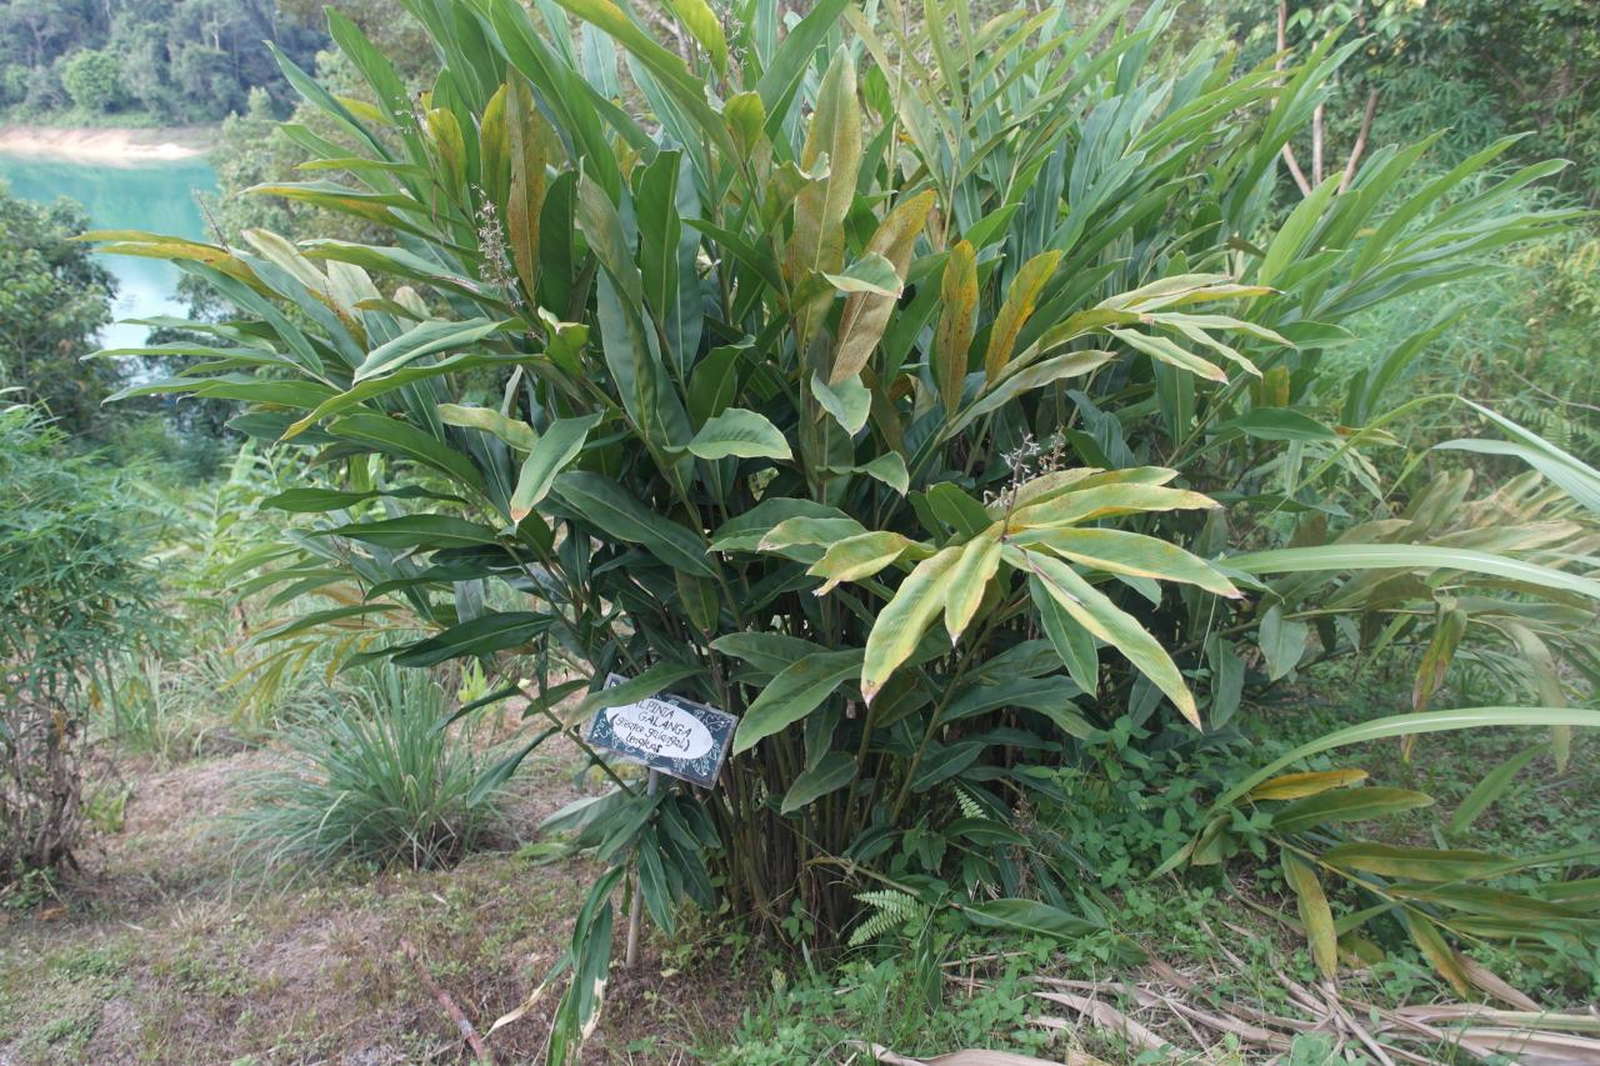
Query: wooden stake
[[636, 910]]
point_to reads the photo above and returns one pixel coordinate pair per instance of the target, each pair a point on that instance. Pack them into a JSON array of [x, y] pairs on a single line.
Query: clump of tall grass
[[376, 781]]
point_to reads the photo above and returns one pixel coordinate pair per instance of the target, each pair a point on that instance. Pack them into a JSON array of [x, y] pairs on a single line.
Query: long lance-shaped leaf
[[1335, 557], [1117, 551], [532, 144], [795, 692], [1315, 914], [1094, 611], [866, 313], [688, 91], [1580, 480], [862, 555], [905, 618], [1426, 722], [958, 295], [817, 244], [1015, 312], [550, 454], [604, 503]]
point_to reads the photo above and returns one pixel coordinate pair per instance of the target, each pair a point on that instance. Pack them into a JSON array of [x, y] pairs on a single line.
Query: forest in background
[[144, 62]]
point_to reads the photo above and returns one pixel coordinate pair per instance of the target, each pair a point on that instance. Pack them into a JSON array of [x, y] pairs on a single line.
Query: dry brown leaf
[[1491, 982], [1105, 1016], [969, 1057], [1447, 1012], [1532, 1047]]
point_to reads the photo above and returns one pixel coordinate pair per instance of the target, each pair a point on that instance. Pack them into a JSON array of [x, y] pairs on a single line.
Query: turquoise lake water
[[159, 197]]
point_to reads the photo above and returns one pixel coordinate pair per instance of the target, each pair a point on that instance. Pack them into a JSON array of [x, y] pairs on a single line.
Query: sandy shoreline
[[110, 147]]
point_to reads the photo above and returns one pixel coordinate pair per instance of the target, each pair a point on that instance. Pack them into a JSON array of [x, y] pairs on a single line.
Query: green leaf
[[514, 432], [312, 500], [426, 338], [1073, 644], [1283, 642], [871, 273], [1490, 789], [1091, 609], [736, 431], [834, 771], [604, 503], [1417, 864], [483, 635], [1347, 805], [806, 531], [848, 402], [418, 531], [1577, 478], [768, 652], [745, 532], [1281, 424], [1030, 916], [394, 437], [1337, 557], [1119, 552], [550, 454], [1403, 724], [795, 692], [888, 468]]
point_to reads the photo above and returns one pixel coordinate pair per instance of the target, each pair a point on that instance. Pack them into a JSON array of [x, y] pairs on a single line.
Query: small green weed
[[881, 1002]]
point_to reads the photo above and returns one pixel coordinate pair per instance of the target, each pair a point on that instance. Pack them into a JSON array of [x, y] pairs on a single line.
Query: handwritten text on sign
[[668, 733]]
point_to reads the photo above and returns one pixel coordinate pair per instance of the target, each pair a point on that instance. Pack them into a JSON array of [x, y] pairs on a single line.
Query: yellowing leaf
[[1091, 609], [1315, 914], [1298, 786], [905, 618], [1447, 636], [1117, 551], [698, 18], [860, 556], [958, 294], [979, 561], [1017, 309], [531, 144], [867, 313]]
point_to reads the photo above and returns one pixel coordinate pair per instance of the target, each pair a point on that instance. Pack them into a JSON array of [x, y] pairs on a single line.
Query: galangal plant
[[855, 374]]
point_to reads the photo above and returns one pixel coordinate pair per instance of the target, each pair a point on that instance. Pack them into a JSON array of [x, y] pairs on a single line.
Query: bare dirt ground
[[167, 953]]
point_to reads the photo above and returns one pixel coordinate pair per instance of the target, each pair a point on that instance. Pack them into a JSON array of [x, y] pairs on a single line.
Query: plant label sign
[[670, 734]]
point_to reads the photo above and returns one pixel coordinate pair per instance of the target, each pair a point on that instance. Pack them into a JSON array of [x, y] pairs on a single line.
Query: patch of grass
[[810, 1019], [377, 783]]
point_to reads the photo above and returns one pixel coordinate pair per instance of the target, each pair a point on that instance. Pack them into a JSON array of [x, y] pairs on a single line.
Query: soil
[[169, 953]]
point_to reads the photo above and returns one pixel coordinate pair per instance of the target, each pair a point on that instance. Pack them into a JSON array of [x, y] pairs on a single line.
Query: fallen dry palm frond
[[969, 1057], [1138, 1012]]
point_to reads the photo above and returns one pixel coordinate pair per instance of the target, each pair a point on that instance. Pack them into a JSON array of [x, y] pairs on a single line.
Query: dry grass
[[170, 955]]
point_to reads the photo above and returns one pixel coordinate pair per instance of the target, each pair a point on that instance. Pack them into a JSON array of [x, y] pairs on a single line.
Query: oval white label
[[660, 729]]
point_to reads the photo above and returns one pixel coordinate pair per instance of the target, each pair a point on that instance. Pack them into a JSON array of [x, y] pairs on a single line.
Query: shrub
[[93, 80], [54, 297], [378, 781], [880, 385], [73, 593]]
